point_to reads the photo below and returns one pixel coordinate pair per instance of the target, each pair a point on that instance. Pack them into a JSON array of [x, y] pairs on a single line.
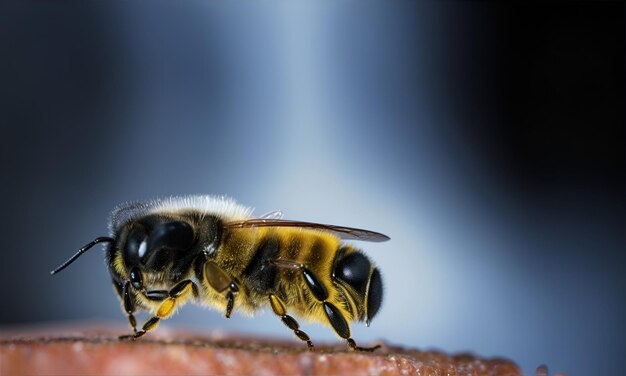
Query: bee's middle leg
[[222, 283], [168, 304]]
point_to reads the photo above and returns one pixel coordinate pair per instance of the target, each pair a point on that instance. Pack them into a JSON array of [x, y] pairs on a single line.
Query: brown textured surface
[[104, 354]]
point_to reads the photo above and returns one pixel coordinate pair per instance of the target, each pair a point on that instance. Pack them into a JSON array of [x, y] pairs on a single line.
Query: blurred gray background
[[486, 140]]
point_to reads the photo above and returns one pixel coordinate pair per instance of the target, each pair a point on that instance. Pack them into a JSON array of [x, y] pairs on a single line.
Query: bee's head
[[150, 245]]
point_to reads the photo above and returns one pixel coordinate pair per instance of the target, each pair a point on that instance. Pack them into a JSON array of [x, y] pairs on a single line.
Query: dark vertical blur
[[487, 139], [560, 94]]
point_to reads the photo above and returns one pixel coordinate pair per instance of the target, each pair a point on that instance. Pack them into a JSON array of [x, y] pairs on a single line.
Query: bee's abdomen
[[354, 269], [307, 270]]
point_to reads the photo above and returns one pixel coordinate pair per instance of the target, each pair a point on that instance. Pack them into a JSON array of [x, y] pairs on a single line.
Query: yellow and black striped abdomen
[[305, 253], [302, 267]]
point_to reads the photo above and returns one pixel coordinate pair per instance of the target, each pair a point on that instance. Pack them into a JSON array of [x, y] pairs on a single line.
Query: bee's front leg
[[174, 297], [129, 306]]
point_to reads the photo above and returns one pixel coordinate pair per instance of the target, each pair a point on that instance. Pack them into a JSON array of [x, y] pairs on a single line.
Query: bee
[[209, 250]]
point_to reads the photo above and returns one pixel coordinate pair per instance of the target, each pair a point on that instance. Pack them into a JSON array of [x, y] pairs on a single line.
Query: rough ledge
[[184, 354]]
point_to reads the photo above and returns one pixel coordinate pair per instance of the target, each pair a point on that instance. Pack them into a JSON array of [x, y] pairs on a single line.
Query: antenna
[[102, 239]]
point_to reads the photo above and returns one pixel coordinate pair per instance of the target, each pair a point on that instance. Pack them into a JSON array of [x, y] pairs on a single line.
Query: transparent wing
[[348, 233], [273, 215]]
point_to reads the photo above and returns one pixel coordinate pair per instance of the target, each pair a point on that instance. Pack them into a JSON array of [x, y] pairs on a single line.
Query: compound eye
[[135, 246], [172, 235], [165, 244]]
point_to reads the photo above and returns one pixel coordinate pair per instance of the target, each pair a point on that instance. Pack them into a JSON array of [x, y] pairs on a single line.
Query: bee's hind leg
[[336, 319], [342, 328], [354, 347], [167, 307], [279, 309]]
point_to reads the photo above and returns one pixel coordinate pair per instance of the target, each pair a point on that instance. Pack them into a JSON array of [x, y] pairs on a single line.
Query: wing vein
[[349, 233]]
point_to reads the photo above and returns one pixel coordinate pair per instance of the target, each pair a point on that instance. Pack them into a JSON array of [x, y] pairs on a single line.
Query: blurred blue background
[[487, 140]]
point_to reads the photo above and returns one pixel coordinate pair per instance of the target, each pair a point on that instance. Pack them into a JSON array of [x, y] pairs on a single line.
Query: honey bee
[[209, 250]]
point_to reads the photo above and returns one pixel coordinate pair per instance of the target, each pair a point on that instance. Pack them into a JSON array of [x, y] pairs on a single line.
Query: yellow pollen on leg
[[277, 305], [166, 308]]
